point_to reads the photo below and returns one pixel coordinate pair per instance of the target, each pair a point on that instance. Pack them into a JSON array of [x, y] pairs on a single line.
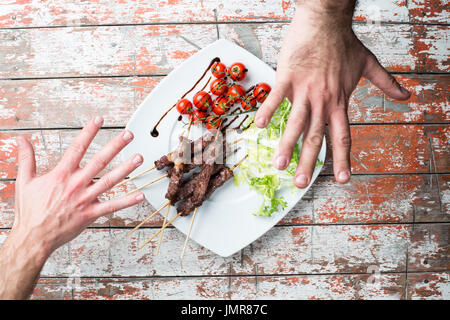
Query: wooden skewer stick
[[189, 233], [189, 128], [147, 184], [236, 141], [162, 232], [134, 177], [148, 218], [238, 163]]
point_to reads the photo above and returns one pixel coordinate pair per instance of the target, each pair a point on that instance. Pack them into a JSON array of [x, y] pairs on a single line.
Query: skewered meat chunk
[[188, 187], [212, 152], [215, 182], [196, 146], [179, 159]]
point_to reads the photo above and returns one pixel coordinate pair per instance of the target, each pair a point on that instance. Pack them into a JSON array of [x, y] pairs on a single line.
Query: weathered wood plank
[[431, 48], [375, 149], [283, 250], [428, 11], [387, 286], [96, 51], [63, 13], [365, 199], [369, 199], [430, 286], [429, 101], [59, 103], [439, 137], [378, 149], [143, 50], [429, 248]]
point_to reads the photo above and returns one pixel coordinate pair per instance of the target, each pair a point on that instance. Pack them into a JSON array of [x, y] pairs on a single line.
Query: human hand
[[54, 208], [319, 66]]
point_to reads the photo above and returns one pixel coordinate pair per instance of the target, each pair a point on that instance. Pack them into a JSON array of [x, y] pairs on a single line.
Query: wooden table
[[383, 235]]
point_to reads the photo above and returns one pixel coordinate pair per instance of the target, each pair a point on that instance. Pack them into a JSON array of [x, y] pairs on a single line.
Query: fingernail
[[261, 121], [127, 135], [282, 162], [98, 121], [140, 197], [404, 91], [344, 175], [137, 159], [301, 180]]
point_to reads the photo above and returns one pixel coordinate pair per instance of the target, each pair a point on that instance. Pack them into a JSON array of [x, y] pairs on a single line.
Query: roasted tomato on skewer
[[261, 91], [219, 70], [237, 71], [221, 106], [213, 122], [202, 100], [235, 93], [219, 87], [184, 106], [248, 102]]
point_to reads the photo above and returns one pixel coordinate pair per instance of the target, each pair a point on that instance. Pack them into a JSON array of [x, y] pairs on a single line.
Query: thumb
[[375, 72], [27, 162]]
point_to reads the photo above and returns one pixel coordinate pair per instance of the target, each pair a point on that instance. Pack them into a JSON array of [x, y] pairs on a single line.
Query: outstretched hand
[[54, 208], [58, 205], [319, 66]]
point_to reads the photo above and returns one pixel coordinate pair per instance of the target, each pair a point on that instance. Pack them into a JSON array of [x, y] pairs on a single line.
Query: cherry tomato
[[202, 100], [248, 102], [219, 70], [197, 116], [237, 71], [184, 106], [235, 93], [219, 87], [213, 122], [261, 91], [221, 106]]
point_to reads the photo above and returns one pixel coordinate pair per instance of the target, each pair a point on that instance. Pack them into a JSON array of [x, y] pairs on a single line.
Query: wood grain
[[388, 286], [283, 250], [66, 13], [430, 286]]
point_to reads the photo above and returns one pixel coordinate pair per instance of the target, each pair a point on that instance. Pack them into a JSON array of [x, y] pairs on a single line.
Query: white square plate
[[225, 223]]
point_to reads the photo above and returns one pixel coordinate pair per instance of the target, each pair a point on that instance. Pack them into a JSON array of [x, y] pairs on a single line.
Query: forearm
[[327, 11], [21, 261]]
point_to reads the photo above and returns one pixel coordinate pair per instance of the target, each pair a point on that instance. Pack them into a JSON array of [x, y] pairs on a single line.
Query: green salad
[[257, 170]]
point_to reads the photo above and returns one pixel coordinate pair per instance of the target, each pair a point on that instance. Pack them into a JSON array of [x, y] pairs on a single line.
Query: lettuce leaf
[[257, 171]]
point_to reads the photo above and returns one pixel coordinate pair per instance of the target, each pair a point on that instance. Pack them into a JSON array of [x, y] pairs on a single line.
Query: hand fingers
[[341, 143], [109, 207], [79, 145], [26, 162], [272, 102], [110, 179], [105, 155], [294, 128], [375, 72], [312, 142]]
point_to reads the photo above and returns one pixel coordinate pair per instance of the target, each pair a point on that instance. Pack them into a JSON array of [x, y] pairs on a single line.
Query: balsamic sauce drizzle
[[154, 133]]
